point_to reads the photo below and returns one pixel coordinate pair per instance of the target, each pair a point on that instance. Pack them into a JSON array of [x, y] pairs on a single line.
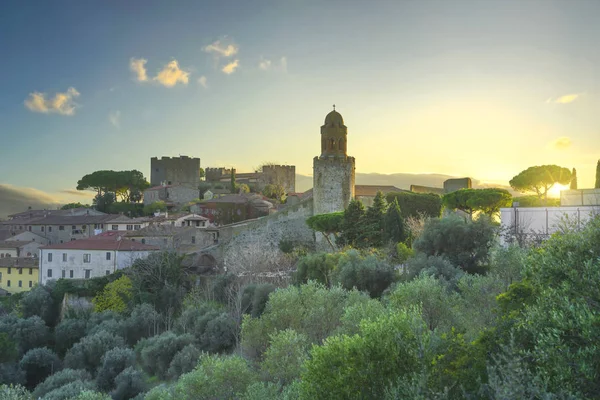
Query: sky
[[465, 88]]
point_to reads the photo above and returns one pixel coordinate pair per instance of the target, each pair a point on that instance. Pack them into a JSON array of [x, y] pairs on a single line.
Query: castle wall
[[333, 184], [452, 185], [175, 171]]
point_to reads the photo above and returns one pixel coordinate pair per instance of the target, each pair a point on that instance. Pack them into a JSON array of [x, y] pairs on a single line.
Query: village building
[[18, 274], [233, 208], [124, 223], [16, 248], [366, 193], [101, 255], [171, 195], [181, 239]]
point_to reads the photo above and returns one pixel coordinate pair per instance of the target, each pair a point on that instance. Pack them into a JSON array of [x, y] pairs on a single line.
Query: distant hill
[[401, 181], [14, 199]]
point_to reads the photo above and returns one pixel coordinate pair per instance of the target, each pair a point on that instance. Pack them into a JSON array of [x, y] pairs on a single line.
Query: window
[[49, 229], [20, 283], [73, 227], [8, 283], [193, 239], [30, 271], [143, 241], [9, 270], [63, 273], [108, 255], [42, 228], [129, 227], [30, 283], [88, 273], [115, 227], [29, 228], [61, 228], [107, 272], [49, 273], [137, 227], [20, 271], [49, 257], [87, 258], [64, 257], [70, 273], [1, 255]]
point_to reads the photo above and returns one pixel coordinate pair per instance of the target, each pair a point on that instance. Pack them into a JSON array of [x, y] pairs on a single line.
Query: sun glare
[[555, 190]]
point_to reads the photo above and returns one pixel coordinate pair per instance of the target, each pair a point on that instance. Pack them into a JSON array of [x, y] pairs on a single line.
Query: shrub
[[356, 313], [129, 383], [70, 390], [38, 302], [464, 243], [142, 323], [403, 253], [113, 363], [115, 296], [262, 391], [87, 354], [59, 379], [219, 335], [416, 204], [38, 364], [184, 361], [284, 357], [28, 333], [216, 377], [260, 298], [8, 348], [67, 333], [436, 266], [156, 353], [10, 392], [316, 267], [91, 395], [11, 374], [367, 274]]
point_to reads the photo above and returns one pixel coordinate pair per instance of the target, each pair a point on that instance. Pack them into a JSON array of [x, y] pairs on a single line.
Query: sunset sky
[[466, 88]]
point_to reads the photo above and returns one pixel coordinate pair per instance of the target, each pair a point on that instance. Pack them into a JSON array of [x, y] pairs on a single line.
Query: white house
[[124, 223], [90, 258]]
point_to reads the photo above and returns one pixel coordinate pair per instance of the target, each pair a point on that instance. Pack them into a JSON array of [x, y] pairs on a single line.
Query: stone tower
[[333, 170]]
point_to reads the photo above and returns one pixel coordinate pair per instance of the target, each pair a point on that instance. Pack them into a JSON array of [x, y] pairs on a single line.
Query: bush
[[283, 359], [38, 364], [11, 374], [10, 392], [156, 353], [219, 335], [87, 354], [436, 266], [416, 204], [464, 243], [403, 253], [216, 377], [262, 391], [67, 333], [142, 323], [316, 267], [115, 296], [70, 390], [91, 395], [38, 302], [129, 383], [113, 363], [28, 333], [184, 361], [59, 379], [367, 274], [255, 297], [8, 348]]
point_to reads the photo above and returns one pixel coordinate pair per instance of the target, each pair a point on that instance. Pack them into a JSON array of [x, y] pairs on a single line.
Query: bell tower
[[333, 170]]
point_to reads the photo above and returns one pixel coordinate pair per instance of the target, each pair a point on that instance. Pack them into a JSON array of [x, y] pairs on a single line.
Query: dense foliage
[[487, 201], [539, 179], [415, 204]]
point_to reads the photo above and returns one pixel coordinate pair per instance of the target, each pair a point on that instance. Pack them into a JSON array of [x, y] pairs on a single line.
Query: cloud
[[61, 103], [231, 67], [202, 81], [171, 74], [562, 143], [221, 50], [14, 199], [266, 65], [79, 193], [115, 118], [138, 66], [566, 99]]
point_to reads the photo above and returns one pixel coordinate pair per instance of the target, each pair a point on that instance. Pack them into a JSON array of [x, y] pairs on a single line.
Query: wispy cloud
[[202, 81], [562, 143], [61, 103], [220, 49], [138, 66], [231, 67], [79, 193], [171, 74], [115, 118], [566, 99], [267, 65]]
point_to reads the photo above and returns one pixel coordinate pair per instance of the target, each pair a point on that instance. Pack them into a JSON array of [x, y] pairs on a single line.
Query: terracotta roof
[[19, 262], [371, 190], [102, 243]]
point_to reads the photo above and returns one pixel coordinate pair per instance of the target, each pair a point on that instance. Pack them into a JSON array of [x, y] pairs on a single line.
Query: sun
[[555, 190]]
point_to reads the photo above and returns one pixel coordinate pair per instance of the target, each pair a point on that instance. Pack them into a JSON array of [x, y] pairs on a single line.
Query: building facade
[[333, 170], [181, 170], [172, 195], [18, 274]]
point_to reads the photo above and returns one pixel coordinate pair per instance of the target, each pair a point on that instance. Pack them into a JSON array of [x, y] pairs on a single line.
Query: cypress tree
[[574, 179], [352, 229], [394, 224], [233, 185], [373, 224], [597, 185]]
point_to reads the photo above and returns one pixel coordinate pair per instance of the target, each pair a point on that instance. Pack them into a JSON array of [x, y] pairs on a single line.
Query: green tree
[[487, 201], [352, 229], [316, 267], [233, 186], [121, 183], [8, 348], [284, 357], [115, 297], [59, 379], [114, 362], [394, 224], [540, 179], [274, 191], [68, 332], [102, 202], [327, 224], [69, 206], [150, 209], [597, 185], [374, 221], [39, 302], [367, 274], [184, 361], [129, 384], [38, 364], [10, 392], [573, 180], [156, 353], [87, 353]]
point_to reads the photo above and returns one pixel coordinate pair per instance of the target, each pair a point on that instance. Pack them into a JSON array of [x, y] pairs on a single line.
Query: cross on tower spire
[[334, 107]]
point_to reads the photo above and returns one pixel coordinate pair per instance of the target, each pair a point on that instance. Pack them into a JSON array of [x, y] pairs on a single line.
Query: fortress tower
[[333, 170]]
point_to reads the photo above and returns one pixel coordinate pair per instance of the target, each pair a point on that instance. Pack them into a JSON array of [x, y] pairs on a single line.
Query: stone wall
[[452, 185], [333, 184], [175, 171], [285, 175]]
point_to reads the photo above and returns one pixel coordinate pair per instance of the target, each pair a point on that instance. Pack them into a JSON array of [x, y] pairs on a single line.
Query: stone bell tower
[[333, 170]]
